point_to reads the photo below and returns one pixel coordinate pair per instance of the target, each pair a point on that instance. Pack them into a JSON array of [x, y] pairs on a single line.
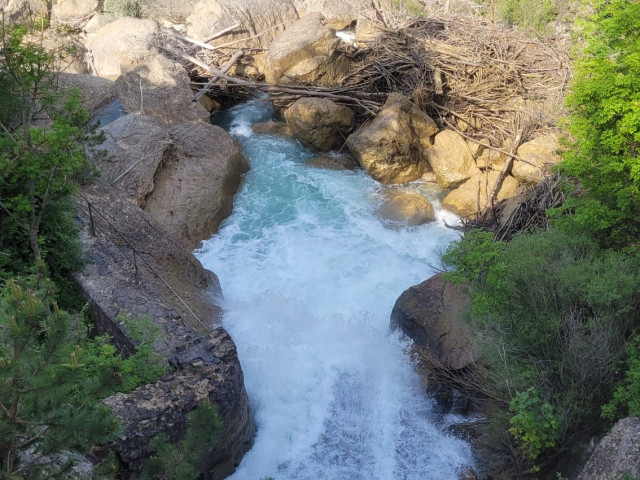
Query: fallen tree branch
[[221, 33]]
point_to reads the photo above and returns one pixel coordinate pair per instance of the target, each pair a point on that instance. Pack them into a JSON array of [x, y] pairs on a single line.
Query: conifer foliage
[[49, 386]]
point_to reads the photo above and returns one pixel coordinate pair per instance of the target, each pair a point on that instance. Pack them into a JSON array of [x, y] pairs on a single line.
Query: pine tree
[[179, 461], [49, 387]]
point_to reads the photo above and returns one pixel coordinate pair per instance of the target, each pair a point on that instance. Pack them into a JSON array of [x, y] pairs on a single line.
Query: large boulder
[[259, 20], [471, 197], [431, 314], [306, 52], [617, 454], [203, 357], [74, 11], [405, 208], [23, 10], [135, 146], [319, 123], [95, 92], [159, 87], [122, 45], [451, 159], [392, 148], [177, 11], [340, 14], [193, 192], [542, 152]]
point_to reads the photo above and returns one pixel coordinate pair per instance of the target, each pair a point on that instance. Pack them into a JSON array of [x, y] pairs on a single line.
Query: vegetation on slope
[[556, 308]]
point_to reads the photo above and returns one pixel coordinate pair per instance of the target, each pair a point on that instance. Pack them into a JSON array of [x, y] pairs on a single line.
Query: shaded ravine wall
[[168, 285]]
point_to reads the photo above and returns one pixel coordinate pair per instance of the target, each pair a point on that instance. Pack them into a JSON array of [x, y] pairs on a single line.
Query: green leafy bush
[[605, 123], [626, 398], [552, 311], [534, 423]]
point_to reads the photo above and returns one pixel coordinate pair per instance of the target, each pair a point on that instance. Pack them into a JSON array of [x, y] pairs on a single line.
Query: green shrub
[[604, 121], [552, 311], [528, 14], [626, 398], [534, 423]]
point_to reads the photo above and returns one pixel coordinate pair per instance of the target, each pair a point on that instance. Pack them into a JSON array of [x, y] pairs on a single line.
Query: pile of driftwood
[[463, 72]]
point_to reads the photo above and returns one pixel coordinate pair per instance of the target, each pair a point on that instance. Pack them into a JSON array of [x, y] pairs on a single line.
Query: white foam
[[310, 277]]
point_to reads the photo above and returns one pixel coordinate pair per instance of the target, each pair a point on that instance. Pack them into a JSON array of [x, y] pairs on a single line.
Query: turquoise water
[[310, 276]]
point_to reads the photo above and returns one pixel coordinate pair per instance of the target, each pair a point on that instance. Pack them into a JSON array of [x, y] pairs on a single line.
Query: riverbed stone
[[393, 147], [306, 52], [340, 161], [471, 197], [95, 92], [74, 11], [542, 152], [159, 87], [451, 159], [406, 208], [275, 129], [193, 192], [319, 124]]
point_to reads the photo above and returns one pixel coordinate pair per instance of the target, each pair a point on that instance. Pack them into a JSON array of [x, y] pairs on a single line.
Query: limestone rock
[[404, 208], [541, 151], [392, 148], [306, 53], [206, 365], [450, 158], [209, 104], [95, 92], [463, 201], [431, 315], [96, 23], [319, 123], [265, 17], [333, 162], [122, 45], [20, 10], [135, 146], [339, 13], [194, 190], [275, 129], [74, 10], [617, 454], [176, 11], [160, 88]]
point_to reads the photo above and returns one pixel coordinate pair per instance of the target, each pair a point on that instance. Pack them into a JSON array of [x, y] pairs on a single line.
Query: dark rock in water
[[203, 355], [431, 315]]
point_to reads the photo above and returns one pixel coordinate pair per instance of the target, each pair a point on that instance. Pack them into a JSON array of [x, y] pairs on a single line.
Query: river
[[310, 276]]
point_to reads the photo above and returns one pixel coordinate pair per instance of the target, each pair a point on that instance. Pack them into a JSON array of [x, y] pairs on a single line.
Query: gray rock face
[[135, 145], [618, 453], [194, 190], [319, 123], [160, 88], [265, 17], [65, 11], [431, 315], [205, 362], [95, 92], [393, 147], [306, 53], [122, 45], [339, 13]]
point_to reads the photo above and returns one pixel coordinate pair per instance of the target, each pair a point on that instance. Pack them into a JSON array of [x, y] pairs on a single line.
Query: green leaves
[[605, 122]]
